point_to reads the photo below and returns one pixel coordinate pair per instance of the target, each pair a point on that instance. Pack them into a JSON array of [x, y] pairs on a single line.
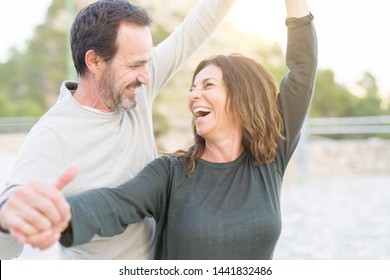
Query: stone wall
[[320, 158]]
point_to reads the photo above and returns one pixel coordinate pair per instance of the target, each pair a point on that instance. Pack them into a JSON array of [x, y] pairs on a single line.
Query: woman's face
[[208, 103]]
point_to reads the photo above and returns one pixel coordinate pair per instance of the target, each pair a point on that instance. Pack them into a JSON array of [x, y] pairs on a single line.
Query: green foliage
[[23, 107], [332, 99], [370, 104], [5, 106], [32, 76], [161, 123], [159, 33]]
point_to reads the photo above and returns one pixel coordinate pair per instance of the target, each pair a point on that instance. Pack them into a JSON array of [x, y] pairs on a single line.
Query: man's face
[[128, 70]]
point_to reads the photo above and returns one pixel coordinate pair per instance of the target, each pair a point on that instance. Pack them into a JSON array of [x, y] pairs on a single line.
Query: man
[[103, 123]]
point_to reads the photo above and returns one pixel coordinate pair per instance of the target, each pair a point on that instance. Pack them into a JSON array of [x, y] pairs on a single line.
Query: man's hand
[[37, 213]]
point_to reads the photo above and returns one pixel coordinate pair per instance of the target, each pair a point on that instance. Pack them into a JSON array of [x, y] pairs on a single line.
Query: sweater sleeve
[[9, 247], [297, 87], [108, 211], [38, 148], [173, 52]]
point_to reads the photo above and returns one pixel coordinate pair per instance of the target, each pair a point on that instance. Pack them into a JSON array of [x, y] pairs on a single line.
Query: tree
[[370, 103], [331, 99], [33, 75]]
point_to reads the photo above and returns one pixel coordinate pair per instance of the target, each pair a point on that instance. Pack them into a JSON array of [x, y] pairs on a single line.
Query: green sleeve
[[297, 87], [108, 211]]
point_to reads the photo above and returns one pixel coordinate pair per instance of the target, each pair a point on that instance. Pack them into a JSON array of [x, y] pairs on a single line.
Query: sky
[[351, 33], [17, 22]]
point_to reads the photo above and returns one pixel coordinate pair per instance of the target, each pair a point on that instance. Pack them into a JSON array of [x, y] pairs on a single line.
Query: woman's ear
[[93, 61]]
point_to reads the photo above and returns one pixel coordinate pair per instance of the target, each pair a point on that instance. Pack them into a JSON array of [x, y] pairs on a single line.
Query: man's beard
[[125, 104], [113, 98]]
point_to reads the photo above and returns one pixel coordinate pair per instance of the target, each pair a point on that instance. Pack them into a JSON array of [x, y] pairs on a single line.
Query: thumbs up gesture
[[37, 213]]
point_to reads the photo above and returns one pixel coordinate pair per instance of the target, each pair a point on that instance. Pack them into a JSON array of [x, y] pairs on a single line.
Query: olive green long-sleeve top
[[224, 210]]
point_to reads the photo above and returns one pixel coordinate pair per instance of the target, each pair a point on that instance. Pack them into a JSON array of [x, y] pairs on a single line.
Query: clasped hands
[[37, 213]]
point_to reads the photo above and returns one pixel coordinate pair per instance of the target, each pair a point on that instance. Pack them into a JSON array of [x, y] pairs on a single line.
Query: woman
[[221, 198]]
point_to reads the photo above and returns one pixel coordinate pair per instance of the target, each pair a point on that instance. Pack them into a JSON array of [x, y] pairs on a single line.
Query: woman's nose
[[195, 93]]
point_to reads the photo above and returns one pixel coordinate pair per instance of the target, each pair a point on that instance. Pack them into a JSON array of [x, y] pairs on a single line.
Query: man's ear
[[93, 61]]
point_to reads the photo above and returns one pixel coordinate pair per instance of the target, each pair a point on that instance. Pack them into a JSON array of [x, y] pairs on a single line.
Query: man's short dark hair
[[96, 27]]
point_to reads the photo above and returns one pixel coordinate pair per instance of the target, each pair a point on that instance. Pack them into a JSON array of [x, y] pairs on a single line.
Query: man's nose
[[144, 75]]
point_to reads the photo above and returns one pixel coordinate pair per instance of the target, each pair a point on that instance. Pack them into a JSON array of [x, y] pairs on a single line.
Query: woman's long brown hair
[[252, 97]]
